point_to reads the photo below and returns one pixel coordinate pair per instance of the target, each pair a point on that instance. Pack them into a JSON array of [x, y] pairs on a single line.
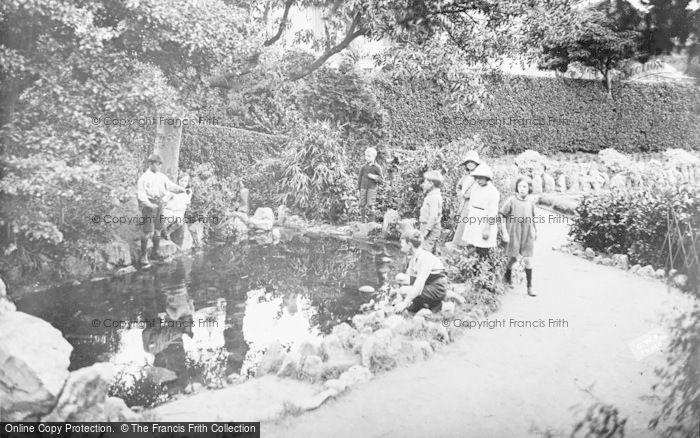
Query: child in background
[[481, 231], [370, 176], [431, 210], [175, 208], [519, 215]]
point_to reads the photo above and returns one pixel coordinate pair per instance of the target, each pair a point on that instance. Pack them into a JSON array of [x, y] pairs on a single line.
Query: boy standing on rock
[[370, 176], [152, 189]]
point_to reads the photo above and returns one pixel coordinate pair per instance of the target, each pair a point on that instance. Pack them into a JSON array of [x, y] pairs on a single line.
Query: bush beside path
[[521, 381]]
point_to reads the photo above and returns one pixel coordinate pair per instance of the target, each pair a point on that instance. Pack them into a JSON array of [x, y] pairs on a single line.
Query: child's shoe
[[530, 292]]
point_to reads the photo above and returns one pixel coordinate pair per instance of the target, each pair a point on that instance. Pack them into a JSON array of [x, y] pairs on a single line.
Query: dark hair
[[526, 179], [413, 237]]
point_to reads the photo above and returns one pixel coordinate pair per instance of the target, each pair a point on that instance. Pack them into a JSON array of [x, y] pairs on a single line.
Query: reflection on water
[[203, 317]]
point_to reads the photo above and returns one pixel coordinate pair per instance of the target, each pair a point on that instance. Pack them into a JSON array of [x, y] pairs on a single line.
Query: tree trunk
[[168, 139], [608, 83]]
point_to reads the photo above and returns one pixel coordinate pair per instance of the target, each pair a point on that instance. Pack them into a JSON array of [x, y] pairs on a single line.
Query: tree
[[587, 37]]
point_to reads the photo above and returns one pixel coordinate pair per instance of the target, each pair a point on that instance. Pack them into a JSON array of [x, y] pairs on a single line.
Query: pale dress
[[483, 212]]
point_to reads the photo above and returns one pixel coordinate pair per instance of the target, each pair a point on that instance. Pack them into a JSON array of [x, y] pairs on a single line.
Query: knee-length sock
[[528, 276]]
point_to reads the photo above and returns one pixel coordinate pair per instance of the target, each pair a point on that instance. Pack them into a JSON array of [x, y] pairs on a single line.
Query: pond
[[206, 315]]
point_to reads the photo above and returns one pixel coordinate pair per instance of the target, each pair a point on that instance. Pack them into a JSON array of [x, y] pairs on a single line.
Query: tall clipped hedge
[[549, 115], [231, 151]]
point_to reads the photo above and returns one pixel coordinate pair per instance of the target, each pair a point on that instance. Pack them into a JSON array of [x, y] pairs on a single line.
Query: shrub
[[214, 197], [315, 179], [657, 226]]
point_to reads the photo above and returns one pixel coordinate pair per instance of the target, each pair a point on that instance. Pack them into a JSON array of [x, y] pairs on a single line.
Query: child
[[426, 273], [464, 188], [480, 230], [175, 207], [370, 176], [519, 214], [243, 197], [431, 211]]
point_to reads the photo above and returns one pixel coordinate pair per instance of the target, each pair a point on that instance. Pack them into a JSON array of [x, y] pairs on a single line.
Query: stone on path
[[621, 261], [34, 361], [367, 289]]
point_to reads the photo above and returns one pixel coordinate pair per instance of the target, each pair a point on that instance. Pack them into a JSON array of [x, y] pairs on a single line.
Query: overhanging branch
[[287, 5]]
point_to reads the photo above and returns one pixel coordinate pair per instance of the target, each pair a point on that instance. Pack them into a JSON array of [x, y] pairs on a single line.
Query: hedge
[[231, 151], [550, 114]]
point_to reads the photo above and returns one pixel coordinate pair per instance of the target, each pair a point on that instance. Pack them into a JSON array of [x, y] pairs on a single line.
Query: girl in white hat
[[480, 230], [464, 188]]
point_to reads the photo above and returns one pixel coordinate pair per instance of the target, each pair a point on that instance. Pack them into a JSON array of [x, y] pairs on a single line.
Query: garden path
[[516, 382]]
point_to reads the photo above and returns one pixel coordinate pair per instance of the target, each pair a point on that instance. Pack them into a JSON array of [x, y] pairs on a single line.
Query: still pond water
[[210, 314]]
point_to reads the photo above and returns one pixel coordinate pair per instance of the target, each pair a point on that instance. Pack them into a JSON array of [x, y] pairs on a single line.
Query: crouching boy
[[428, 282]]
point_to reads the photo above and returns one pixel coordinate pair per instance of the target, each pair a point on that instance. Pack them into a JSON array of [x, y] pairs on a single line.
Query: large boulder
[[34, 361], [166, 248], [198, 233], [272, 360], [263, 219], [84, 394], [380, 350]]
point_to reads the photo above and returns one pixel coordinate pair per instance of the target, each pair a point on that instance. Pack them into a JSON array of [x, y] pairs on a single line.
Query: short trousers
[[151, 218], [368, 197], [421, 302], [431, 241]]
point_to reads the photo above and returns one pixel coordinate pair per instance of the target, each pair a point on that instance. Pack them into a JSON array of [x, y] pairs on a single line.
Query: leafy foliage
[[651, 225], [315, 179]]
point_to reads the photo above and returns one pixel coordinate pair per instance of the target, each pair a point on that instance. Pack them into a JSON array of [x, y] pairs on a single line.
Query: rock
[[635, 269], [116, 253], [672, 273], [6, 306], [621, 261], [116, 410], [619, 181], [167, 249], [366, 289], [234, 378], [160, 375], [548, 184], [312, 367], [598, 259], [272, 360], [282, 214], [276, 236], [578, 253], [369, 321], [263, 219], [680, 280], [537, 184], [336, 385], [306, 349], [647, 271], [659, 273], [182, 237], [448, 308], [415, 350], [291, 365], [589, 253], [607, 261], [390, 217], [345, 334], [34, 361], [84, 394], [240, 228], [198, 233], [355, 375], [3, 289], [561, 183], [295, 222], [379, 351], [125, 270], [76, 267]]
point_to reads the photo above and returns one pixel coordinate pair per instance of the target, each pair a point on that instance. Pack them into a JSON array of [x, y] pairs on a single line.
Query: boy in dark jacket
[[370, 176]]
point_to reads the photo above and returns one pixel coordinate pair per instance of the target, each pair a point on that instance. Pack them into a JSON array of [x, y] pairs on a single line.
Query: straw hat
[[434, 175], [482, 170], [472, 156]]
